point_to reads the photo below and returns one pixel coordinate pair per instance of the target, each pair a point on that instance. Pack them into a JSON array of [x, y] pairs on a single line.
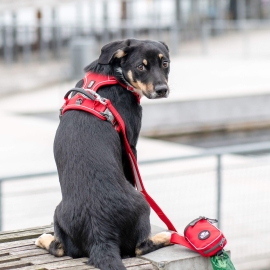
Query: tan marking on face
[[44, 241], [130, 76], [145, 87], [162, 238], [120, 54], [160, 55], [131, 80], [145, 62], [139, 86]]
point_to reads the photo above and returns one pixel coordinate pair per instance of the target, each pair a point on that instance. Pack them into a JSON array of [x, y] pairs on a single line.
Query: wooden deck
[[18, 251]]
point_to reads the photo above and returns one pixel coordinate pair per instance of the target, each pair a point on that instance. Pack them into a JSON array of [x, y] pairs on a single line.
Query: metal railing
[[218, 153]]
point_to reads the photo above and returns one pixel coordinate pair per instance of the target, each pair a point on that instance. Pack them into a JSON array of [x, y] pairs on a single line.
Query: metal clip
[[79, 101], [60, 113], [109, 116], [97, 97]]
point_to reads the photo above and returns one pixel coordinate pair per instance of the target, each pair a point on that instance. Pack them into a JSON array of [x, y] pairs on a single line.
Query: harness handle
[[80, 90]]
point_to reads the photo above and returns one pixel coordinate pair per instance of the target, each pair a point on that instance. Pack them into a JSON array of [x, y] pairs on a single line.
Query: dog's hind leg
[[106, 256], [153, 243], [60, 244], [50, 243]]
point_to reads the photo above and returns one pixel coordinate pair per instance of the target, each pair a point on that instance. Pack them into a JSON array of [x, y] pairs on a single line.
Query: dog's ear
[[165, 45], [116, 49]]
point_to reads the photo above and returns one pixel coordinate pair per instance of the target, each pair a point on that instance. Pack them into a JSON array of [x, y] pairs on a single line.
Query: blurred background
[[206, 147]]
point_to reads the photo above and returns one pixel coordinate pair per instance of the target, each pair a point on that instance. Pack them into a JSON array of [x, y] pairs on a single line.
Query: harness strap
[[94, 81]]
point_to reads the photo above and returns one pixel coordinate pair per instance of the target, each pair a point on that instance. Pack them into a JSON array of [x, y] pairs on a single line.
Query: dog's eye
[[165, 64], [141, 67]]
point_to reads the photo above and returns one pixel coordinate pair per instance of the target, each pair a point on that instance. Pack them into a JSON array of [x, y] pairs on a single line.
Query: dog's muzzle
[[161, 90]]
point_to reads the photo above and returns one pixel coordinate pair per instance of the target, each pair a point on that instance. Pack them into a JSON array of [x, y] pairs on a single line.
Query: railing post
[[1, 205], [219, 188], [205, 33]]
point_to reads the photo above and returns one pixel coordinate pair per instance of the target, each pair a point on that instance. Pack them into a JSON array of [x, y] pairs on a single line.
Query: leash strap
[[181, 240], [135, 169]]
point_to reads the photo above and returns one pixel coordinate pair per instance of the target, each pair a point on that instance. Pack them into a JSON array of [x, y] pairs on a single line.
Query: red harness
[[88, 100]]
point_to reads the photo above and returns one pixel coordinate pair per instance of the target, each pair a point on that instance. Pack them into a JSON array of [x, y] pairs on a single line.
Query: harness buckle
[[109, 116], [60, 113]]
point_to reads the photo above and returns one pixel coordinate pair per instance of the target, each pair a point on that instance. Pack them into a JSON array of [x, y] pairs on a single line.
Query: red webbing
[[136, 173], [180, 240]]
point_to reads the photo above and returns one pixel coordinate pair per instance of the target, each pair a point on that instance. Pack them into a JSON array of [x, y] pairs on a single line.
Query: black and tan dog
[[101, 215]]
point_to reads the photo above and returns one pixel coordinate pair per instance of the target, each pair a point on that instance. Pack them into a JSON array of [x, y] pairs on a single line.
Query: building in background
[[35, 29]]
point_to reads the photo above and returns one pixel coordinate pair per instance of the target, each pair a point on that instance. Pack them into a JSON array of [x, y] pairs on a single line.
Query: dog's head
[[144, 64]]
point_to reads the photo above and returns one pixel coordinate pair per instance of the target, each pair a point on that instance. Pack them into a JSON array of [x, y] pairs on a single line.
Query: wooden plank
[[28, 247], [17, 250], [8, 258], [4, 253], [83, 267], [27, 253], [23, 235], [45, 258], [21, 243], [13, 265], [83, 259], [56, 265], [46, 227]]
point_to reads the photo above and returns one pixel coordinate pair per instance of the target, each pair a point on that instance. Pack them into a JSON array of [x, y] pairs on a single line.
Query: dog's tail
[[106, 257]]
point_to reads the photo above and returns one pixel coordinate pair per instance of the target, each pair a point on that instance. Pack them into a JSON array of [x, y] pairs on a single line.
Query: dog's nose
[[161, 90]]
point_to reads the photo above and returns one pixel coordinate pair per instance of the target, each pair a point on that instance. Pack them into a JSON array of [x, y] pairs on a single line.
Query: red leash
[[135, 169], [88, 100]]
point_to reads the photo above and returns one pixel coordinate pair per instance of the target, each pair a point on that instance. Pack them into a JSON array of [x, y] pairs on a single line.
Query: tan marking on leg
[[44, 241], [162, 238], [138, 252], [60, 251], [158, 241], [160, 55], [120, 54], [145, 61]]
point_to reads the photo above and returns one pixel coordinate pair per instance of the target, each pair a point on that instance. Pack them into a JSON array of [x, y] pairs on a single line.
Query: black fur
[[101, 215]]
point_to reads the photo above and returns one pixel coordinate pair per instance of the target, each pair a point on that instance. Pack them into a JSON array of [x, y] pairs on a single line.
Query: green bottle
[[222, 262]]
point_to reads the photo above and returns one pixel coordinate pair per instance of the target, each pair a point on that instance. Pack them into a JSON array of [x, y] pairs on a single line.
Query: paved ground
[[26, 147]]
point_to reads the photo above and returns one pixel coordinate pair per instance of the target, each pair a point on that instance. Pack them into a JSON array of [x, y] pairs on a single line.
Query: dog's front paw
[[158, 241], [44, 241]]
